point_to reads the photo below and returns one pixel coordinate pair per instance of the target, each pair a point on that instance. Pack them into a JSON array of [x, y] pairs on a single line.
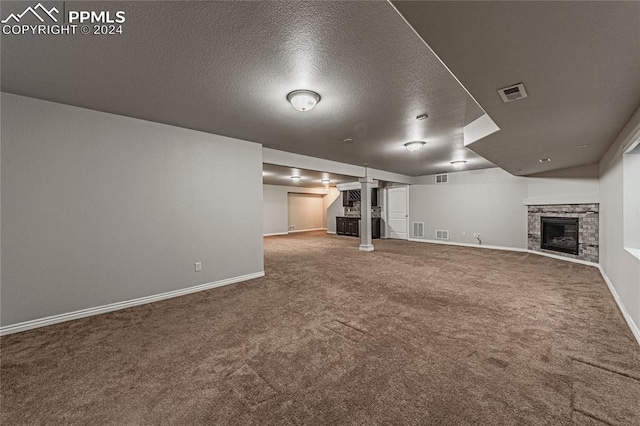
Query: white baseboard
[[55, 319], [632, 325], [307, 230], [518, 249], [451, 243], [275, 233], [331, 232], [568, 259]]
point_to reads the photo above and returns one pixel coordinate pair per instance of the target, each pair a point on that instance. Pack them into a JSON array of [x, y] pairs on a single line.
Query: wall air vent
[[442, 178], [418, 229], [442, 235], [513, 93]]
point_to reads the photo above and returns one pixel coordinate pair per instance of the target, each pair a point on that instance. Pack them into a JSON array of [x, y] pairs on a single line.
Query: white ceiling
[[226, 67]]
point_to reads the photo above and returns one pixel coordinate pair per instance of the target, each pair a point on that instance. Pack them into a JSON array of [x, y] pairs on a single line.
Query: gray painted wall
[[334, 208], [622, 268], [99, 208], [487, 201], [275, 202], [305, 211]]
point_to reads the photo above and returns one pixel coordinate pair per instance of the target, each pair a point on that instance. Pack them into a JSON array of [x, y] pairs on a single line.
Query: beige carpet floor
[[411, 333]]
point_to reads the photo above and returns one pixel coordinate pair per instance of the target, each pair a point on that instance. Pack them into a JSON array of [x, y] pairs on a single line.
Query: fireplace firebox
[[559, 234]]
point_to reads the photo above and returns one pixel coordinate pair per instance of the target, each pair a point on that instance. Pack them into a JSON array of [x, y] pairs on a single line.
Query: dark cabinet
[[351, 226], [375, 228], [348, 197]]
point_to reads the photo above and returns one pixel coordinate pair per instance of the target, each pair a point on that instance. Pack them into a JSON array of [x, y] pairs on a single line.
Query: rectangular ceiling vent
[[512, 93], [442, 178], [442, 235], [418, 229]]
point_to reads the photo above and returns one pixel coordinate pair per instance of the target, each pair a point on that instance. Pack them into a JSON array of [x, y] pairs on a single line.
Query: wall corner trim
[[69, 316], [632, 325]]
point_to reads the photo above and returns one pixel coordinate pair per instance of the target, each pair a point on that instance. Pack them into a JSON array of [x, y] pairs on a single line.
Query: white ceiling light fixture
[[303, 100], [295, 177], [545, 160], [325, 180], [415, 145], [458, 163]]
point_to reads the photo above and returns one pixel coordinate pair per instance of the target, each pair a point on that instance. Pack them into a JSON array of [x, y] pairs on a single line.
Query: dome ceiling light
[[415, 145], [458, 163], [303, 100]]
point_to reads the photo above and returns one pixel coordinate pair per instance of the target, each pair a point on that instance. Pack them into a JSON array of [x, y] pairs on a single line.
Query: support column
[[365, 212]]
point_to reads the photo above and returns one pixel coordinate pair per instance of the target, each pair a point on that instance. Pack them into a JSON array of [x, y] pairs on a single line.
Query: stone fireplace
[[569, 230]]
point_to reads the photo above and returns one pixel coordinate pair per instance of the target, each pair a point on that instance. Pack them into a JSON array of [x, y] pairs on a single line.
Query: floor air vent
[[442, 178], [512, 93], [442, 235], [418, 229]]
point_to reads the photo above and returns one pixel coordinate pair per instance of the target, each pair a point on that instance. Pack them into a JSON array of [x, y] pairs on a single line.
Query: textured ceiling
[[280, 175], [579, 61], [226, 68]]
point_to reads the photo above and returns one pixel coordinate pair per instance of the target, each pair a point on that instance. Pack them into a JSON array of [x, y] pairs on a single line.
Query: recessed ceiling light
[[458, 163], [295, 177], [325, 180], [584, 145], [422, 117], [303, 100], [347, 140], [415, 145], [544, 160]]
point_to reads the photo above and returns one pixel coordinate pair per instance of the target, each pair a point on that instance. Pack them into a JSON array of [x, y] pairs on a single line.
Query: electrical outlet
[[198, 266], [478, 235], [475, 234], [292, 227], [464, 234]]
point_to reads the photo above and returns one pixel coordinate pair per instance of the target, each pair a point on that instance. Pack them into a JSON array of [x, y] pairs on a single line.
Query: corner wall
[[492, 202], [620, 266], [99, 208]]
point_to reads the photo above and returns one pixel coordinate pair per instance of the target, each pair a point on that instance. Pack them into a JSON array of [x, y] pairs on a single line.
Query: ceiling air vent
[[418, 229], [512, 93], [442, 178], [442, 235]]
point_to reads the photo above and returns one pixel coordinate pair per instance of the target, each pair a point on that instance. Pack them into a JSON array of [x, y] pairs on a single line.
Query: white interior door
[[398, 212]]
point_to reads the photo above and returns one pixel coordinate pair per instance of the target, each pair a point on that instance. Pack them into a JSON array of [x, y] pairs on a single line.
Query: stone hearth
[[588, 215]]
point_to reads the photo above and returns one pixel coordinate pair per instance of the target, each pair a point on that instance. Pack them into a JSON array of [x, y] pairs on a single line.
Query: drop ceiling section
[[280, 175], [226, 68], [579, 62]]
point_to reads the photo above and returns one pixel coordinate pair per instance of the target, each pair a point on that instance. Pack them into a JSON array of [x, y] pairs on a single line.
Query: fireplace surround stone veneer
[[588, 215]]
